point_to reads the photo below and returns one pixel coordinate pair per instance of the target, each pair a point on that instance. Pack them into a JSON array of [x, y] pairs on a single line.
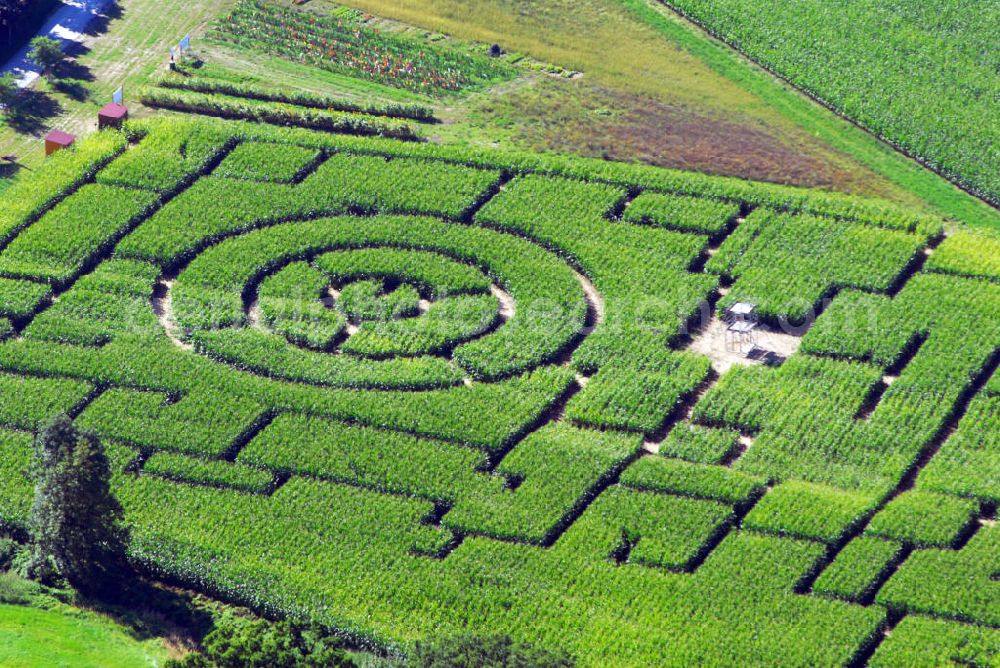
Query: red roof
[[114, 110], [60, 137]]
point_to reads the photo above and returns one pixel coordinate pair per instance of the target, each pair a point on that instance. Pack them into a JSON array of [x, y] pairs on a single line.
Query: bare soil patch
[[712, 343], [162, 307]]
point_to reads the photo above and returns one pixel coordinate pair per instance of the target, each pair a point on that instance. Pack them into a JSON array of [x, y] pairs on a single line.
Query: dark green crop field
[[924, 75], [415, 319], [406, 389]]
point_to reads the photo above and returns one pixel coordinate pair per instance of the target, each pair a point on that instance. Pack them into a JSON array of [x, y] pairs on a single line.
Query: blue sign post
[[185, 43], [118, 97]]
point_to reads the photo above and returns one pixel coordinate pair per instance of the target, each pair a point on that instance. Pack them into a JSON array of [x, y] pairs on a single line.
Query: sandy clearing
[[595, 303], [163, 308], [711, 343], [507, 305]]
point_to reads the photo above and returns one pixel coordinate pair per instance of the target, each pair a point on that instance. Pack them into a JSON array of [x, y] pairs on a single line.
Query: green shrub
[[47, 53], [78, 529], [237, 642], [486, 652], [15, 590], [9, 549]]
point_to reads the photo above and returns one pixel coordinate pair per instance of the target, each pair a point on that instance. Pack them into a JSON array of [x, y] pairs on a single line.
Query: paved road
[[66, 24]]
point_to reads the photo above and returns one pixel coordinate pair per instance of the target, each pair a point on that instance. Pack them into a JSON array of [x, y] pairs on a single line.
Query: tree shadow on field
[[101, 22], [150, 610], [28, 115], [8, 168], [72, 70], [71, 76], [72, 88]]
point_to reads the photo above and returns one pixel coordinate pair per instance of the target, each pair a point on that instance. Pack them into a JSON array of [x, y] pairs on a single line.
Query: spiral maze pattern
[[373, 384], [403, 302]]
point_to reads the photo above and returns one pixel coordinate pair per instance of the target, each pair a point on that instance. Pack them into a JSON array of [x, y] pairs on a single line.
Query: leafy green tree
[[469, 651], [47, 53], [238, 642], [77, 526]]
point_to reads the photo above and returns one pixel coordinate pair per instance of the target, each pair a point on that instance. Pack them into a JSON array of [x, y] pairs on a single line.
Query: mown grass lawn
[[33, 637]]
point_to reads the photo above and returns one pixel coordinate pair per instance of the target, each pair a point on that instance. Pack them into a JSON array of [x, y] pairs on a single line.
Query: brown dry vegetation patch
[[642, 97], [578, 117]]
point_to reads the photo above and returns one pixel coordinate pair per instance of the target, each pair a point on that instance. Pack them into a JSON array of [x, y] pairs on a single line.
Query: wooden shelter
[[58, 140], [112, 115]]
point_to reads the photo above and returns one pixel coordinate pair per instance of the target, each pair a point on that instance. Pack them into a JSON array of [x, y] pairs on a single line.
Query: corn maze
[[404, 389]]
